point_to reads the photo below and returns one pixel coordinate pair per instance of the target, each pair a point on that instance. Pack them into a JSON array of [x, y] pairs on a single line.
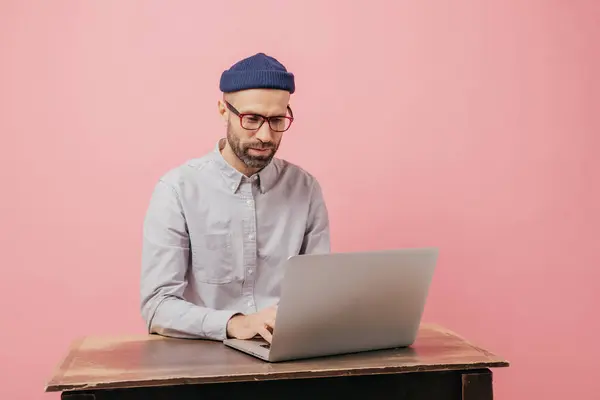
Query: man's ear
[[223, 111]]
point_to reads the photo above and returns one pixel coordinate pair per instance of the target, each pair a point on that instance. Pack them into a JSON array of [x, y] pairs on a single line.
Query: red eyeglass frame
[[268, 119]]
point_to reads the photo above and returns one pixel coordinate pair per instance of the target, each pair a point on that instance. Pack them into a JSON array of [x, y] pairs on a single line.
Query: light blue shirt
[[214, 242]]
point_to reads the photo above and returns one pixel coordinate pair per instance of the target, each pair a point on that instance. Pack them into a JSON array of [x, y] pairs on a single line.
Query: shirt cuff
[[215, 324]]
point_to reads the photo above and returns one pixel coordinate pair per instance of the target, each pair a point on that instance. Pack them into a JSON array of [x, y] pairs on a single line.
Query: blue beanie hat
[[257, 72]]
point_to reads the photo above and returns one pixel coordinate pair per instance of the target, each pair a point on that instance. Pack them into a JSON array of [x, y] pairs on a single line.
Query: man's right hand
[[248, 326]]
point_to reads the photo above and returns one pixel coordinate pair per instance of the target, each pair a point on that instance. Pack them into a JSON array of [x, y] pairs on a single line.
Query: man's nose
[[264, 133]]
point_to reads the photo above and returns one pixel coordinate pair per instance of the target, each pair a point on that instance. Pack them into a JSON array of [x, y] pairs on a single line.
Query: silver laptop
[[341, 303]]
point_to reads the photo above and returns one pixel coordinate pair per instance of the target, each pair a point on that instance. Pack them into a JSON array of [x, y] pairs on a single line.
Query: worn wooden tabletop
[[151, 360]]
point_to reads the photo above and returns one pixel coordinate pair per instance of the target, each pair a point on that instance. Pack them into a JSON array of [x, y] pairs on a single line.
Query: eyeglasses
[[254, 122]]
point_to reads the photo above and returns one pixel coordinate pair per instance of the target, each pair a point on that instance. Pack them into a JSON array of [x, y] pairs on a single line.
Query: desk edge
[[254, 377]]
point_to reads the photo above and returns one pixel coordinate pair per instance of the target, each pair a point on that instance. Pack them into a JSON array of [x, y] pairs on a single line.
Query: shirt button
[[249, 304], [249, 272], [251, 236], [233, 186], [249, 202]]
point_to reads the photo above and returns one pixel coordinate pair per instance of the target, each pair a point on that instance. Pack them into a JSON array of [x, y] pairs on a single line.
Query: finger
[[264, 332], [270, 323]]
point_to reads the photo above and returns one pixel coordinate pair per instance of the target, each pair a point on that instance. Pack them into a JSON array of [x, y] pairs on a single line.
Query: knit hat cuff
[[233, 81]]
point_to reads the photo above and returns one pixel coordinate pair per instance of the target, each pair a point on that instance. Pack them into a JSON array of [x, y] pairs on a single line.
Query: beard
[[241, 150]]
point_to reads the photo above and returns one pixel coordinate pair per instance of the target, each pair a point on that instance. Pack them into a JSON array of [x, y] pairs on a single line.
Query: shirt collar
[[266, 177]]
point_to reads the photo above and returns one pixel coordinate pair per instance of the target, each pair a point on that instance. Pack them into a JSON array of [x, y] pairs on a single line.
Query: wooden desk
[[440, 365]]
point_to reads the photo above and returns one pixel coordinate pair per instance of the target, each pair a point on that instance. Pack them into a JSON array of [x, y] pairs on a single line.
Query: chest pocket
[[212, 258]]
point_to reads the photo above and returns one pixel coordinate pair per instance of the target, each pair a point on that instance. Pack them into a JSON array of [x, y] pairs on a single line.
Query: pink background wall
[[471, 125]]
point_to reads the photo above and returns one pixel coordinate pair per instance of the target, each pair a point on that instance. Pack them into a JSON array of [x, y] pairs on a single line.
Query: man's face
[[255, 147]]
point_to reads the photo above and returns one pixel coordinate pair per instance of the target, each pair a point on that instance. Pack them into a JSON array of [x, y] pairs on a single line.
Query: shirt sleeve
[[165, 257], [316, 238]]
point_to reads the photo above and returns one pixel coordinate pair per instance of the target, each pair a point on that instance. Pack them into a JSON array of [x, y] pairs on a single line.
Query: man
[[219, 228]]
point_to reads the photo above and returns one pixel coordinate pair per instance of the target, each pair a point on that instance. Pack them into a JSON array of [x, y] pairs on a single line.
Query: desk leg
[[477, 386], [77, 396]]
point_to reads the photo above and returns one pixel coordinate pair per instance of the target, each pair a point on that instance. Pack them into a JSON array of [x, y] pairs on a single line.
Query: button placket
[[249, 246]]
